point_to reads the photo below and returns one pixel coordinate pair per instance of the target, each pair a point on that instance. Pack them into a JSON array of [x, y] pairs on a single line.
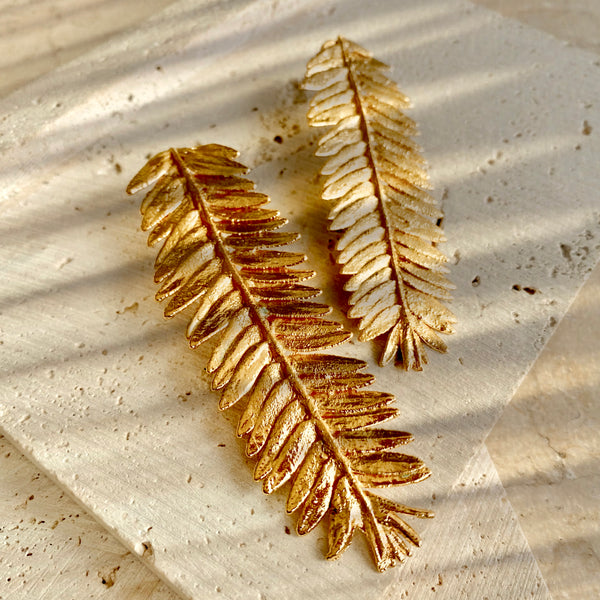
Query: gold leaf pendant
[[386, 217], [306, 416]]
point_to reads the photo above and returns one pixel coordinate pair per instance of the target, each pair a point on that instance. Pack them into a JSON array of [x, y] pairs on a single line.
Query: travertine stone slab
[[97, 386], [75, 558], [50, 548]]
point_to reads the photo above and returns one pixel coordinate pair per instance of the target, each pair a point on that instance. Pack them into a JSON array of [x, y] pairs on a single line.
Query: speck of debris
[[221, 446], [254, 108], [287, 530], [109, 580], [566, 251], [530, 290], [118, 168], [586, 129], [516, 287], [278, 139], [158, 68], [489, 199], [476, 281]]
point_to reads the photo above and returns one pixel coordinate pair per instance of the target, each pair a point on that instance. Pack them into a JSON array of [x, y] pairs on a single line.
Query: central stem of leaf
[[379, 193]]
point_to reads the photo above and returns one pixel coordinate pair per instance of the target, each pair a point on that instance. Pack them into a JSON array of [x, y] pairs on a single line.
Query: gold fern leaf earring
[[305, 414], [386, 217]]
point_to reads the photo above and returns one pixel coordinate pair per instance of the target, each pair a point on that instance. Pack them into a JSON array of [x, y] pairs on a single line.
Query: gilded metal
[[306, 416], [387, 219]]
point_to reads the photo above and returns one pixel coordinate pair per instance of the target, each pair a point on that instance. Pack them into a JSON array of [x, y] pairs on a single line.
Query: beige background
[[545, 447]]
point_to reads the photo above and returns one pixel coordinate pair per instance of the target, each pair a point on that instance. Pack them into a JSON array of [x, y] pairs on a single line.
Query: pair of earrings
[[306, 415]]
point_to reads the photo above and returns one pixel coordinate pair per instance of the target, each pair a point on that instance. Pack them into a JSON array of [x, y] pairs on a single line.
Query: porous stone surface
[[549, 445], [50, 548], [101, 127]]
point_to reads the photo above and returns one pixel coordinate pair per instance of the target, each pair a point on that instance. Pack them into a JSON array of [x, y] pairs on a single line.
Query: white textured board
[[50, 548], [75, 558], [104, 395]]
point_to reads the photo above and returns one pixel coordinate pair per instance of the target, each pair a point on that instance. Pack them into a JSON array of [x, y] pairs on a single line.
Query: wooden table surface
[[545, 446]]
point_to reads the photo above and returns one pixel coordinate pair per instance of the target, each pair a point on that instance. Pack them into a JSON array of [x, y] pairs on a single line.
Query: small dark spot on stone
[[578, 147], [254, 108], [516, 287], [566, 251], [552, 321], [130, 97], [530, 290], [212, 126], [158, 68], [287, 530], [489, 199], [220, 445], [118, 168], [278, 139], [586, 129], [476, 281], [460, 360]]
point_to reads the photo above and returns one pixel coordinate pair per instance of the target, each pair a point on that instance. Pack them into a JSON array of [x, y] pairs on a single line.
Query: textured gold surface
[[306, 415], [387, 219]]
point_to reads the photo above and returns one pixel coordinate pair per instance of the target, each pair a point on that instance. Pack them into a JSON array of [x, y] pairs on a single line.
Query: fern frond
[[378, 183], [306, 416]]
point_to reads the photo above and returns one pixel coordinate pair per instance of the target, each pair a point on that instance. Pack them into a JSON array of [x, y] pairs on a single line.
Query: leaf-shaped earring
[[386, 217], [306, 416]]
